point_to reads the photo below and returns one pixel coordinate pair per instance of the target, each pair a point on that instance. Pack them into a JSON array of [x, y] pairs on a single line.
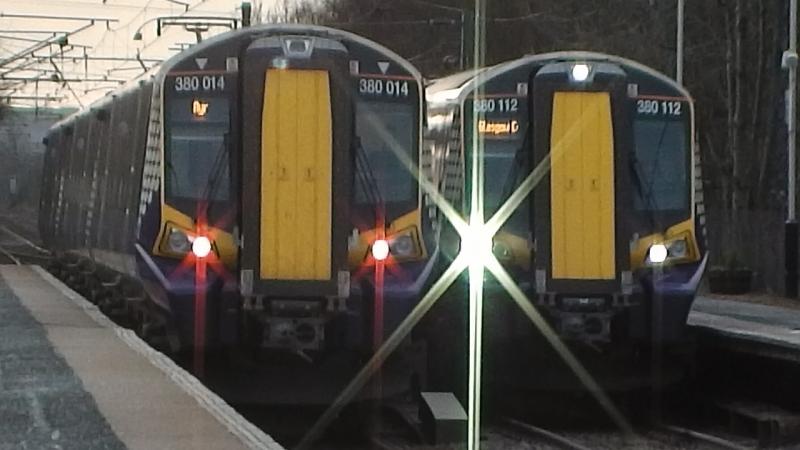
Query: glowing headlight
[[477, 246], [402, 246], [657, 253], [676, 249], [380, 249], [580, 72], [178, 241], [201, 246]]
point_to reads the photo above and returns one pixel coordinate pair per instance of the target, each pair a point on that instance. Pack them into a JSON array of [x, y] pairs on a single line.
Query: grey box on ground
[[443, 418]]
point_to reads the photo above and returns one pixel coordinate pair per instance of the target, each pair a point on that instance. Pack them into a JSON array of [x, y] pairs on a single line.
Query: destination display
[[198, 109], [498, 117], [498, 127]]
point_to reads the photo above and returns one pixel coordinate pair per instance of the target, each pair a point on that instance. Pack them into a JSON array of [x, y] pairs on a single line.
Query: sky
[[111, 36]]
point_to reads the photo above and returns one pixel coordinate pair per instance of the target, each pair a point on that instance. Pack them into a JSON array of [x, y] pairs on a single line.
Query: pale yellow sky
[[102, 40]]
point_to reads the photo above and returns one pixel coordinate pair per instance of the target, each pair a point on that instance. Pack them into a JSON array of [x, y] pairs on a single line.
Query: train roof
[[456, 87], [158, 72], [316, 30]]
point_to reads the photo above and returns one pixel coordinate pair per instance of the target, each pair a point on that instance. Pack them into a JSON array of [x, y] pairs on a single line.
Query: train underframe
[[290, 343], [639, 340], [653, 309]]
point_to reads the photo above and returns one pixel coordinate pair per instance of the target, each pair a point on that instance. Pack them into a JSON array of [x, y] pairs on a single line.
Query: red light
[[380, 249], [201, 246]]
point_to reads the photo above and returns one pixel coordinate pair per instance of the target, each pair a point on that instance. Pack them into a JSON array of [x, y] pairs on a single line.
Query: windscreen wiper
[[519, 159], [646, 196], [173, 175], [213, 178], [366, 177]]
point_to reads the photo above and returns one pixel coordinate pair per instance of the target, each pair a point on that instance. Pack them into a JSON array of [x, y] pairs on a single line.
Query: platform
[[70, 378], [747, 327]]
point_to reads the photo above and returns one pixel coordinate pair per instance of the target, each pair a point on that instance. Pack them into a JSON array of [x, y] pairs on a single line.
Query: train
[[273, 170], [284, 158], [610, 243]]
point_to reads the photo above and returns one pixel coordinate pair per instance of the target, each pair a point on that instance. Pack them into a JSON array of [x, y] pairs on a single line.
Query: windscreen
[[197, 162], [661, 164], [384, 130], [504, 168], [502, 129]]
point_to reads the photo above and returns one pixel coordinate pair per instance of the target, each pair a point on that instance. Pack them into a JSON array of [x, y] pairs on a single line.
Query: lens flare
[[580, 72], [476, 255], [380, 249], [658, 253], [201, 246]]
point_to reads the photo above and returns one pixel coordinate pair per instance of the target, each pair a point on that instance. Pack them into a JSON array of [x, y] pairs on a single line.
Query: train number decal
[[381, 87], [659, 107], [196, 83], [489, 105]]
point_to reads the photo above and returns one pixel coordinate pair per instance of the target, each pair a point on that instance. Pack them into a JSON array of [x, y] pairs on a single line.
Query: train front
[[289, 167], [330, 142], [618, 242]]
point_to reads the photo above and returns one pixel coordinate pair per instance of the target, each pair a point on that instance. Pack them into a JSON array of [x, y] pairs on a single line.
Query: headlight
[[380, 249], [402, 246], [657, 253], [580, 72], [178, 241], [662, 252], [201, 246]]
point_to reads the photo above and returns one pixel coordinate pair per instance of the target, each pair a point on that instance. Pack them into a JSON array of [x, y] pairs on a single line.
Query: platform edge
[[246, 432]]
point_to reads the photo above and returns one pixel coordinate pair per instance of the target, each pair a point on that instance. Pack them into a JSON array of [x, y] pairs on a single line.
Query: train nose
[[580, 225], [295, 189], [582, 187]]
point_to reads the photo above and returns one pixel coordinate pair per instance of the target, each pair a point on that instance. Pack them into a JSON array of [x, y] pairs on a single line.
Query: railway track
[[6, 257], [558, 440], [17, 249], [659, 437], [505, 433], [512, 433], [703, 437]]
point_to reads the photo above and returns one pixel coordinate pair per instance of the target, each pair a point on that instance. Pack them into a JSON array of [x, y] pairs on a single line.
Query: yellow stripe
[[296, 159], [582, 187]]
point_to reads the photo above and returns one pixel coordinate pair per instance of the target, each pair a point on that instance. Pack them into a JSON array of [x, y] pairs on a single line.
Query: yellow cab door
[[296, 160], [582, 187]]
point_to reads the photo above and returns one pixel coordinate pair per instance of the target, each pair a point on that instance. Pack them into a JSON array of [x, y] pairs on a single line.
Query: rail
[[551, 437], [16, 257], [704, 437]]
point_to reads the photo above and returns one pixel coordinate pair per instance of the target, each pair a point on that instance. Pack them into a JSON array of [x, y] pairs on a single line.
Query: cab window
[[196, 162]]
